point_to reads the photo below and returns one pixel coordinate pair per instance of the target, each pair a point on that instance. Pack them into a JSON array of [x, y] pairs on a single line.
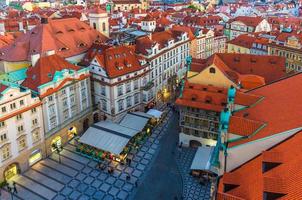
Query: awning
[[202, 159], [108, 136], [134, 121], [155, 113]]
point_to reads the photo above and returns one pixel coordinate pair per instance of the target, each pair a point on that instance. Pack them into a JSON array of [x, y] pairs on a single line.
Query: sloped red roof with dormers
[[68, 37], [250, 71], [115, 60], [280, 108], [276, 172], [211, 98], [44, 71], [248, 21]]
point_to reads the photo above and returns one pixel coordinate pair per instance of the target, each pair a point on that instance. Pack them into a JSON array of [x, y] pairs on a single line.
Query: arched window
[[104, 26], [212, 70], [94, 25]]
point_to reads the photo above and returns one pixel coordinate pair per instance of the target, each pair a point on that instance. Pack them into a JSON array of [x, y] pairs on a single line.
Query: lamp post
[[12, 189], [58, 150]]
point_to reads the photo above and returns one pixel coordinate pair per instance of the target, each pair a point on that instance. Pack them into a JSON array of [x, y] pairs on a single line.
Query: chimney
[[34, 59]]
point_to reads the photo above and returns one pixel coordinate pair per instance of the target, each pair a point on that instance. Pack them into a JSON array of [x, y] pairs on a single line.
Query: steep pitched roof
[[211, 97], [45, 69], [280, 108], [116, 60], [276, 171], [249, 21], [271, 68], [68, 37]]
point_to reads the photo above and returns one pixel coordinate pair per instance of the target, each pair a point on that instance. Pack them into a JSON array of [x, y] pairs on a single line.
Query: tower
[[99, 20]]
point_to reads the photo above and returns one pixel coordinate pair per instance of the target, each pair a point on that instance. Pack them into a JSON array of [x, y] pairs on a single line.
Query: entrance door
[[11, 171]]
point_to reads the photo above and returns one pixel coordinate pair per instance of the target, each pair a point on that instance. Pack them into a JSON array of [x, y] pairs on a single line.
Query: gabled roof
[[282, 175], [211, 98], [280, 108], [68, 37], [116, 60], [248, 21], [44, 71], [249, 70]]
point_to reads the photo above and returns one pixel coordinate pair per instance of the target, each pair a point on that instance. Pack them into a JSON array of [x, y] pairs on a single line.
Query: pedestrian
[[128, 177], [130, 161], [136, 184]]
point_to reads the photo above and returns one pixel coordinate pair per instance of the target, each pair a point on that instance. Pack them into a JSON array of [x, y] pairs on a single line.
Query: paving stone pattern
[[192, 189], [78, 177]]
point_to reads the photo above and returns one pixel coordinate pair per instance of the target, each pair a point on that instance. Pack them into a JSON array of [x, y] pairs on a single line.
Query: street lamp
[[12, 189], [58, 150]]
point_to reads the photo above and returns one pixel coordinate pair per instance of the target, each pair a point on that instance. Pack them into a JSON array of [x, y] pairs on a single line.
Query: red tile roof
[[68, 37], [44, 70], [284, 178], [248, 21], [280, 108], [195, 95], [244, 127], [162, 38], [116, 60]]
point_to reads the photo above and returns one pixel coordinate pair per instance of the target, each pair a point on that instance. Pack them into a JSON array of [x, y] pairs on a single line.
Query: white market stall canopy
[[155, 113], [202, 159], [108, 136], [135, 120]]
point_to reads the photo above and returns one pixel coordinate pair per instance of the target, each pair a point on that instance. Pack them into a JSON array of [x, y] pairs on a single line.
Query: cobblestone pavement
[[77, 177], [192, 189], [164, 179]]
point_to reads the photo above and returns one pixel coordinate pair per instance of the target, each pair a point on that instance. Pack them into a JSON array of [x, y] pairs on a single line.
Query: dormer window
[[63, 49], [59, 32], [212, 70], [82, 45]]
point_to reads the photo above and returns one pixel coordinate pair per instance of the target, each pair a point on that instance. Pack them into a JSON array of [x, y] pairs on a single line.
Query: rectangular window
[[120, 105], [136, 84], [33, 110], [50, 98], [36, 136], [35, 122], [128, 87], [51, 110], [2, 124], [104, 105], [22, 143], [136, 98], [103, 90], [119, 90], [19, 117], [129, 103], [20, 129], [3, 137], [21, 102], [3, 109], [5, 152], [12, 106]]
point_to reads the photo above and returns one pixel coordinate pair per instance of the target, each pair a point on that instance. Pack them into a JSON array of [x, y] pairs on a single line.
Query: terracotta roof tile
[[44, 70], [244, 127], [280, 108], [59, 35], [285, 178]]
